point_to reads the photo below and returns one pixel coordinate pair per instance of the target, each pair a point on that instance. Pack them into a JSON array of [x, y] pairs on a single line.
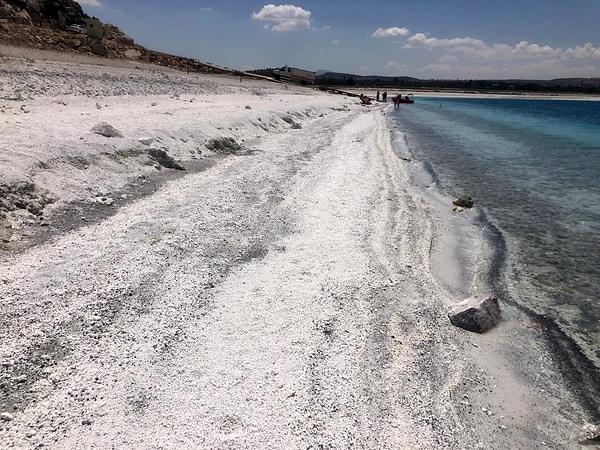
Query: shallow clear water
[[533, 166]]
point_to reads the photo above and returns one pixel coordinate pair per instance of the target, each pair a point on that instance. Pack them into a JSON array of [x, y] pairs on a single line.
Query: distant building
[[94, 28]]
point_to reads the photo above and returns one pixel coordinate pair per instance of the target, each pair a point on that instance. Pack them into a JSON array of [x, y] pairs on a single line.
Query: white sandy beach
[[277, 296]]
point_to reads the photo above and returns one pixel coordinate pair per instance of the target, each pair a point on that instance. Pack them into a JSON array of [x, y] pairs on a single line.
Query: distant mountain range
[[323, 74], [347, 76], [578, 85]]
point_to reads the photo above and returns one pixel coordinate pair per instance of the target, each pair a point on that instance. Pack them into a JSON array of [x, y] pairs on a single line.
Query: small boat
[[406, 99]]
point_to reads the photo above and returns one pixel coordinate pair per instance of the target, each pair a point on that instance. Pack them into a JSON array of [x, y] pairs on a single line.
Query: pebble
[[20, 379], [146, 140], [6, 417], [487, 411], [107, 201]]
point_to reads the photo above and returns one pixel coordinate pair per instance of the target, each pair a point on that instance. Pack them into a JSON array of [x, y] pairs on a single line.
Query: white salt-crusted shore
[[281, 297]]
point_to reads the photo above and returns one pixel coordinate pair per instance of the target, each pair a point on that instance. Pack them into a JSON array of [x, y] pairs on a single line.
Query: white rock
[[107, 201], [146, 140], [6, 417]]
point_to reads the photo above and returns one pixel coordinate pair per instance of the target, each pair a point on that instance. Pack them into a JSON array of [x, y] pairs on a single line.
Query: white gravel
[[279, 298]]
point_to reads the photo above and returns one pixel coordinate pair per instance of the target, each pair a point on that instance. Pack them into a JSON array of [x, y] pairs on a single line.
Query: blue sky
[[467, 39]]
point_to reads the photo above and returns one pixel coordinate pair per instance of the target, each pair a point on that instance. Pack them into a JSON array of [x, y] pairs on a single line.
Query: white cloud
[[421, 40], [588, 51], [390, 32], [448, 59], [478, 49], [546, 69], [525, 49], [467, 57], [395, 68], [90, 3], [287, 17], [336, 42]]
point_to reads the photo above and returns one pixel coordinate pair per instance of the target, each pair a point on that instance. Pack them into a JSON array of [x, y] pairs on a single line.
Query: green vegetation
[[575, 85], [563, 85]]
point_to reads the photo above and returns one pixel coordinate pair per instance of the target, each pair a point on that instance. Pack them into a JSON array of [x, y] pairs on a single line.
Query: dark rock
[[162, 158], [477, 313], [35, 208], [225, 145], [464, 201], [6, 231], [106, 130], [20, 203], [98, 48]]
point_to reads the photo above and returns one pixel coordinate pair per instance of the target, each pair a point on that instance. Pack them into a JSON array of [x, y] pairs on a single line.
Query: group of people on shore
[[397, 99], [383, 96], [365, 100]]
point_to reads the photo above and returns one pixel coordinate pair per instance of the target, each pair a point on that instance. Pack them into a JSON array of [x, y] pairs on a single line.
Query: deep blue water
[[533, 167]]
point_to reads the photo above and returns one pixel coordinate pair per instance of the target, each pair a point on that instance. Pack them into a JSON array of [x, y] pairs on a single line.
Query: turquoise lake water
[[533, 168]]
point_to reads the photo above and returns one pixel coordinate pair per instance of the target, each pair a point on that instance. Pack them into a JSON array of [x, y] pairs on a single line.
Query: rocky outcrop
[[112, 33], [477, 313], [19, 196], [43, 24], [115, 45], [55, 13], [22, 195]]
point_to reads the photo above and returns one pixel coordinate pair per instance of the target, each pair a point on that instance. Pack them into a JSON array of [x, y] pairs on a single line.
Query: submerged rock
[[477, 313]]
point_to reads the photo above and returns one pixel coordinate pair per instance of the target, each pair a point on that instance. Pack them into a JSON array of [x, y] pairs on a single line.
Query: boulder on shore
[[464, 201], [477, 313]]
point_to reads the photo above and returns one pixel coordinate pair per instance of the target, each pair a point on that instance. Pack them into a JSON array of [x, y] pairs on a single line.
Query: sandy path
[[282, 298], [246, 303]]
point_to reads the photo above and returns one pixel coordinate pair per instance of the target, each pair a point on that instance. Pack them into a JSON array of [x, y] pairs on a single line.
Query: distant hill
[[576, 81], [44, 24], [363, 78], [560, 85]]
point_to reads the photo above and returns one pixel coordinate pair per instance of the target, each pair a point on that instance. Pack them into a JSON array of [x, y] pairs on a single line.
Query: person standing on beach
[[384, 96], [397, 101], [377, 95]]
